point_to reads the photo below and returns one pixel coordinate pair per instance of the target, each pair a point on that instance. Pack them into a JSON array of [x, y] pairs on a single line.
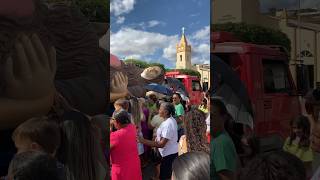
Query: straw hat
[[151, 73], [158, 95]]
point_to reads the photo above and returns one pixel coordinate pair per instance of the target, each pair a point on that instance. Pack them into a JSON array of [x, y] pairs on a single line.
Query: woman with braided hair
[[195, 133]]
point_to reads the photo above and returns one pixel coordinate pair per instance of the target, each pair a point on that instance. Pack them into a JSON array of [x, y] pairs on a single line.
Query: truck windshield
[[275, 77], [196, 85]]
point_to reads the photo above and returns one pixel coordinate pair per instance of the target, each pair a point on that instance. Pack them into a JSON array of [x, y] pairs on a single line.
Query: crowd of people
[[162, 132], [57, 149], [294, 161]]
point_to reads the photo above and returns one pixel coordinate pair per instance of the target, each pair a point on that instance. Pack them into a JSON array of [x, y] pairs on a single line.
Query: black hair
[[192, 166], [35, 165], [122, 117], [220, 105], [276, 165], [78, 147], [158, 104], [178, 94], [301, 122], [254, 144]]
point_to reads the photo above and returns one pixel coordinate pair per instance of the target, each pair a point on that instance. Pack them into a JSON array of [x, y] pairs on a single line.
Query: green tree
[[144, 64], [255, 34], [139, 63]]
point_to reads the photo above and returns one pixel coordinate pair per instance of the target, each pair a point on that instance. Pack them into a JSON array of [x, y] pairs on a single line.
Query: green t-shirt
[[305, 154], [223, 154], [179, 112], [152, 107]]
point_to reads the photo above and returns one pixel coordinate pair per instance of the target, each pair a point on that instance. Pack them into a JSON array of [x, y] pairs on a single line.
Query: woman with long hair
[[191, 166], [78, 148], [195, 133], [136, 117]]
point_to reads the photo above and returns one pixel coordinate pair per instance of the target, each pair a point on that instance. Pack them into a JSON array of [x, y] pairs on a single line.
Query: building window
[[305, 53], [305, 77], [180, 57]]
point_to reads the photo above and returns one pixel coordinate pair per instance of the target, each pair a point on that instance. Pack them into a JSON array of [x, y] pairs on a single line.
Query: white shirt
[[169, 130], [316, 175], [208, 123], [156, 122]]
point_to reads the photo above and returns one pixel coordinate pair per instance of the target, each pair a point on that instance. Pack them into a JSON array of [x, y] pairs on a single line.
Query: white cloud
[[118, 7], [153, 23], [133, 56], [202, 34], [140, 44], [195, 15], [170, 52], [200, 42], [130, 42], [148, 24], [201, 54], [120, 19]]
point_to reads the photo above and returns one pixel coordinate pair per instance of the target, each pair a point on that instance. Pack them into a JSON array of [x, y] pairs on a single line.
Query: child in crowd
[[204, 106], [121, 104], [34, 165], [298, 143], [250, 147], [38, 134]]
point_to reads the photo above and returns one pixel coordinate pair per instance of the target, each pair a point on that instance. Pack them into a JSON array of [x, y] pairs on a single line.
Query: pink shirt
[[124, 154]]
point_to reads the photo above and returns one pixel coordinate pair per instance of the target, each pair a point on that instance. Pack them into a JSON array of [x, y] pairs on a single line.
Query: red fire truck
[[264, 70], [192, 85]]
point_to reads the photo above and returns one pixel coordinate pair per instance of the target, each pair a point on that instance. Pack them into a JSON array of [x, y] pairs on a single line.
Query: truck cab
[[264, 71], [192, 85]]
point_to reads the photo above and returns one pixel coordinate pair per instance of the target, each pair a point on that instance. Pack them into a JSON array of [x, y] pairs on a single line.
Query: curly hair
[[195, 129]]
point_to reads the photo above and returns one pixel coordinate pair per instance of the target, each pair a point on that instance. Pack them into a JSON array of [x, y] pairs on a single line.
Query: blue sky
[[150, 29]]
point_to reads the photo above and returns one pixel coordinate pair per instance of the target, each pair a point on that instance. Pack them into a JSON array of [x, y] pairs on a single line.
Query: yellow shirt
[[201, 108], [303, 153]]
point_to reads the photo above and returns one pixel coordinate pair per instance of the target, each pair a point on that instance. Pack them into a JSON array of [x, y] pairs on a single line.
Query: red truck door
[[280, 105]]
